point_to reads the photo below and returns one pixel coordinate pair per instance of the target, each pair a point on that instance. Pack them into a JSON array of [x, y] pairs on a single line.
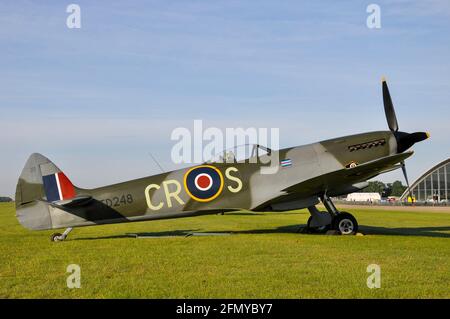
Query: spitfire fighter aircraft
[[308, 174]]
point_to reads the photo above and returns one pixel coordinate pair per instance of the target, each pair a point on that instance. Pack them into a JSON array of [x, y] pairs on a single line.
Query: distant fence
[[387, 203]]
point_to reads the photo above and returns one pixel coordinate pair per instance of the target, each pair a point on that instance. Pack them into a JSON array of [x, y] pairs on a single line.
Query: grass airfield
[[264, 257]]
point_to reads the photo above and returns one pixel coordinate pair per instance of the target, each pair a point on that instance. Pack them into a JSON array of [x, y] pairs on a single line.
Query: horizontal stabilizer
[[74, 202]]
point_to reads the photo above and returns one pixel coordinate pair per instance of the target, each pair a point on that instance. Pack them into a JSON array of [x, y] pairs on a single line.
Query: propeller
[[389, 107], [406, 178], [404, 140]]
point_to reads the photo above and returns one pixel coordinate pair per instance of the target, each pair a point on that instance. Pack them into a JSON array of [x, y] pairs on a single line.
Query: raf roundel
[[203, 183]]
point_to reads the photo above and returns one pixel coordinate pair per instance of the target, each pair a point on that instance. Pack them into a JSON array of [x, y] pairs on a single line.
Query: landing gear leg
[[329, 205], [61, 237], [343, 222]]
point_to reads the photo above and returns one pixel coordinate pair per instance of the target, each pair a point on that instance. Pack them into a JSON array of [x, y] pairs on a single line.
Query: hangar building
[[433, 185]]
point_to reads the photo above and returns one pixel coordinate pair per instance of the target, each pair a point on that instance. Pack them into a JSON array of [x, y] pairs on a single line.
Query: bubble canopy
[[240, 153]]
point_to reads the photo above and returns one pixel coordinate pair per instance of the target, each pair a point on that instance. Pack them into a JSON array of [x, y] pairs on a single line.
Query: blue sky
[[99, 99]]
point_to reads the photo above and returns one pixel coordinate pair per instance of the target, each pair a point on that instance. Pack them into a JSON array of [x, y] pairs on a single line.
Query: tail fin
[[40, 183]]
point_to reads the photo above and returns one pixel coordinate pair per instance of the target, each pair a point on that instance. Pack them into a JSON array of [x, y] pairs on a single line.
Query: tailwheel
[[56, 237], [345, 223], [60, 237], [318, 229]]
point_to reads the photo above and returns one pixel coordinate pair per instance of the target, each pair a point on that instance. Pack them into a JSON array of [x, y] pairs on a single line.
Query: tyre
[[55, 237], [345, 223]]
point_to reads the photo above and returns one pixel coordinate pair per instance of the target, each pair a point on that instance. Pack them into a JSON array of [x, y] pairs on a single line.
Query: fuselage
[[289, 178]]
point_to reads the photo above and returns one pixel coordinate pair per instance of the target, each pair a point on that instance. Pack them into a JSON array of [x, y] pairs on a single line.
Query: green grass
[[263, 258]]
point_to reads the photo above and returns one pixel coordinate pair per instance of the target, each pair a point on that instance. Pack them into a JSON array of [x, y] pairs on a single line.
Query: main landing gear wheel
[[345, 223], [316, 230]]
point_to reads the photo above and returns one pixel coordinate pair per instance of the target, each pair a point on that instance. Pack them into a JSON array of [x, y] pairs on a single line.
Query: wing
[[341, 181], [334, 181]]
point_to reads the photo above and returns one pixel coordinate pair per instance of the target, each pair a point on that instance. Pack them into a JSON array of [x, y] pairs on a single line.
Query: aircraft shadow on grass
[[289, 229], [436, 231], [366, 230], [161, 234]]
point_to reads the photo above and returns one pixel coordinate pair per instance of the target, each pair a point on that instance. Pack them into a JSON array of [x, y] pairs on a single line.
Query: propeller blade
[[389, 107], [406, 178]]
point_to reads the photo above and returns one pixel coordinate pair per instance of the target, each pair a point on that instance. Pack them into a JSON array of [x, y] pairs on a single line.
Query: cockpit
[[246, 153]]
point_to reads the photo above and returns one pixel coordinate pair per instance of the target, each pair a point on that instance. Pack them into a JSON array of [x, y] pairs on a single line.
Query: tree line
[[385, 190]]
